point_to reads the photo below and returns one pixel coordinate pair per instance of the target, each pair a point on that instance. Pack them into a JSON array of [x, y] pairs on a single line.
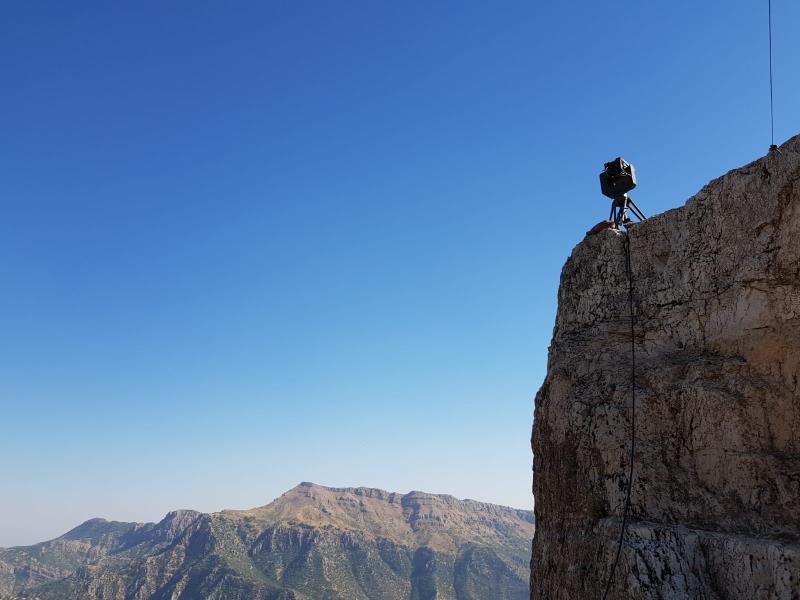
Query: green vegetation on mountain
[[312, 543]]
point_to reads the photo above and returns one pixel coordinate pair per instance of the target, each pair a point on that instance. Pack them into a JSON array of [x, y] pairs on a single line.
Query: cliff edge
[[715, 509]]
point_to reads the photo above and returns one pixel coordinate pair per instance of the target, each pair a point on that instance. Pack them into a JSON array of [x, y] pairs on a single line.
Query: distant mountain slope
[[312, 543]]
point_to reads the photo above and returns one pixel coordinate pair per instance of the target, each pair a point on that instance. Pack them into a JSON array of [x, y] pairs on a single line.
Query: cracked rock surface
[[715, 509]]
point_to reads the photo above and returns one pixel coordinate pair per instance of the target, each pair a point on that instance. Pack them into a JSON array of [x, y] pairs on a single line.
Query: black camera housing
[[618, 178]]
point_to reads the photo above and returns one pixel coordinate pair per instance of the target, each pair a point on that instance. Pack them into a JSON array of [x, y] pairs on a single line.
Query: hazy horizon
[[251, 246]]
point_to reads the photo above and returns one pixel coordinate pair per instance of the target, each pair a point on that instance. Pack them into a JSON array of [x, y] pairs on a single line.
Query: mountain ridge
[[311, 542]]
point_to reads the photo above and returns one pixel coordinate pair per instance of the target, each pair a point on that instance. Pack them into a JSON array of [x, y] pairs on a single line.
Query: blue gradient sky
[[249, 244]]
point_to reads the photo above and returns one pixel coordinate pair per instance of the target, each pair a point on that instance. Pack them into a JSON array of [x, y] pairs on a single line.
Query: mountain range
[[312, 543]]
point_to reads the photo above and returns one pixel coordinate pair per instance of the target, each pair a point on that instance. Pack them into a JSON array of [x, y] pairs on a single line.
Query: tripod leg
[[616, 216], [622, 216], [636, 210]]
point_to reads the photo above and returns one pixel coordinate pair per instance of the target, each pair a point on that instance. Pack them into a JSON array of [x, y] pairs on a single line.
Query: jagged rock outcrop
[[715, 510], [311, 543]]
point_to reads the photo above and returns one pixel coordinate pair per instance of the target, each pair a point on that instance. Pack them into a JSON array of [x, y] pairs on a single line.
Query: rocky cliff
[[715, 510], [312, 543]]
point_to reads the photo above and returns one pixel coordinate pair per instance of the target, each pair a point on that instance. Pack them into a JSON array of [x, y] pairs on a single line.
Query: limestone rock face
[[715, 510]]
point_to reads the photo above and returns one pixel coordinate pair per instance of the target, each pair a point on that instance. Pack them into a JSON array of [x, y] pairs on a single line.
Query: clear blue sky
[[249, 244]]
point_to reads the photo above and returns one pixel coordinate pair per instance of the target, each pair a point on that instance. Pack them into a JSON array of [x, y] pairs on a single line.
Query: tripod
[[619, 210]]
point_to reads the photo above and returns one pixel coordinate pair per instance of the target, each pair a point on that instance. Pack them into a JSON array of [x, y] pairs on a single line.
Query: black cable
[[771, 107], [629, 272]]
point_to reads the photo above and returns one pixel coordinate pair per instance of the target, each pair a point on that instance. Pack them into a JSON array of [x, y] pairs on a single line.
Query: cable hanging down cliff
[[626, 510]]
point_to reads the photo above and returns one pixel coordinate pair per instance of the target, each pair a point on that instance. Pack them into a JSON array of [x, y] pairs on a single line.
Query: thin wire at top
[[771, 106]]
